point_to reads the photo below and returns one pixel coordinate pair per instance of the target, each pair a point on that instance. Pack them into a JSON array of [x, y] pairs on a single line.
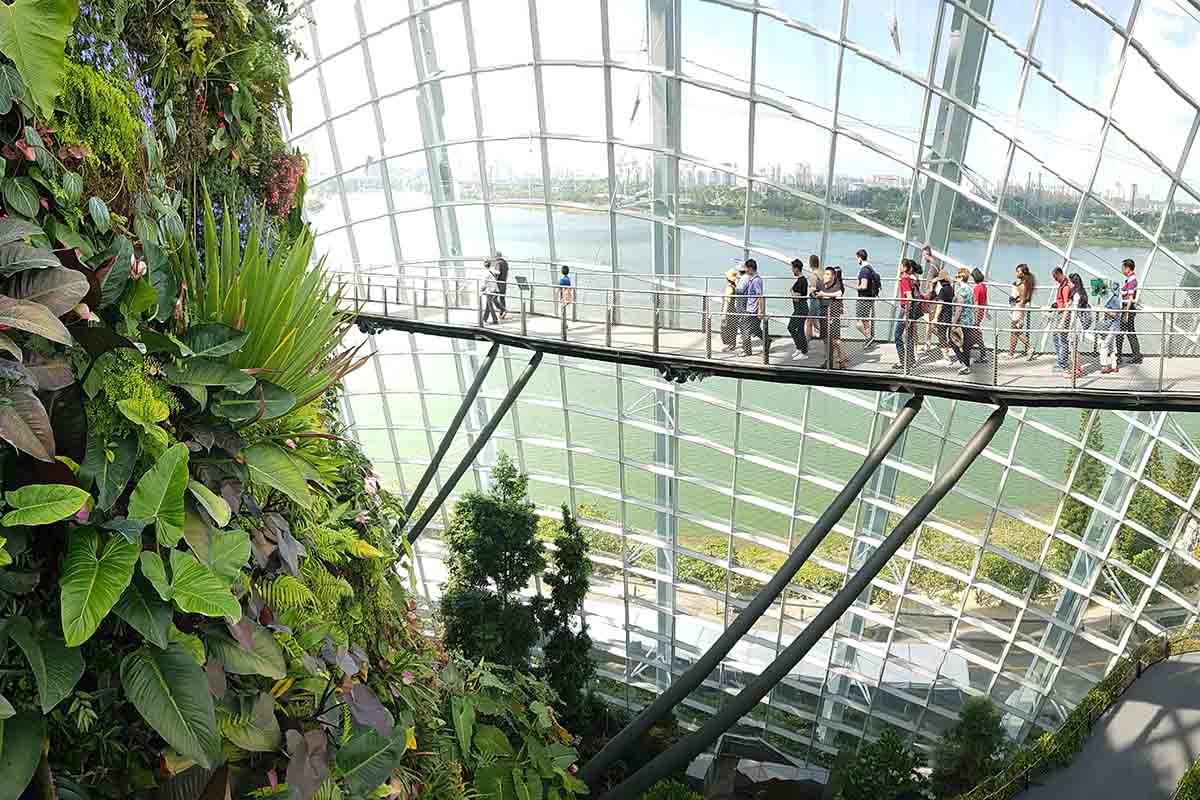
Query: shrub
[[886, 770], [971, 750], [672, 790]]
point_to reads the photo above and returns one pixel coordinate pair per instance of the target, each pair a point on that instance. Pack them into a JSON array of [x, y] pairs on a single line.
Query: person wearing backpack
[[869, 286]]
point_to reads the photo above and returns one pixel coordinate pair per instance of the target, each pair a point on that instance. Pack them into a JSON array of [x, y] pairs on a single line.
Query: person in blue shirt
[[566, 293], [1108, 329], [755, 308]]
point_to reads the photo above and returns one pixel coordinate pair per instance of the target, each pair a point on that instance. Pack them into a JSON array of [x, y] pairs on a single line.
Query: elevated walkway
[[678, 331], [1142, 746]]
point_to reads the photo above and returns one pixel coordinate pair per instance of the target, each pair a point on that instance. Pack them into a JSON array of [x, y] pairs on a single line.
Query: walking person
[[832, 291], [729, 318], [869, 287], [906, 294], [490, 296], [1022, 296], [566, 290], [980, 295], [1109, 327], [945, 318], [965, 318], [1081, 317], [799, 318], [501, 268], [1129, 293], [755, 308], [816, 307], [1062, 323]]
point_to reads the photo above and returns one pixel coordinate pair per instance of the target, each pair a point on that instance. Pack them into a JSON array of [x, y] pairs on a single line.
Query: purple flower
[[407, 677]]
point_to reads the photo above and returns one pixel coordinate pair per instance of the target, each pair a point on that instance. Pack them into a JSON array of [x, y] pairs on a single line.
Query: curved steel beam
[[679, 755], [682, 686]]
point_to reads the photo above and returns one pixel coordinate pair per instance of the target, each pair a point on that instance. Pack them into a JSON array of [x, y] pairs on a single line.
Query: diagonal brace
[[448, 438], [679, 755], [682, 686], [481, 439]]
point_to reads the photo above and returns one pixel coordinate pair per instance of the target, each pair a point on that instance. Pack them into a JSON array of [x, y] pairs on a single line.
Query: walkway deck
[[1142, 746], [1156, 383]]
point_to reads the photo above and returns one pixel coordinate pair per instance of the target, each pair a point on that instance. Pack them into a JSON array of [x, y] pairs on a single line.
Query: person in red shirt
[[910, 310], [980, 298], [1062, 302]]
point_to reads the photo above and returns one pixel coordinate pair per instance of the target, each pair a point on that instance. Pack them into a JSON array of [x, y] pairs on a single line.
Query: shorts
[[864, 307]]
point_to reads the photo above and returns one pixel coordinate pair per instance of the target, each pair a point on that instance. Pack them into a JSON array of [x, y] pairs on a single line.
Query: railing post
[[385, 306], [445, 299], [829, 337], [481, 303], [766, 337], [995, 353], [1074, 352], [1162, 348], [368, 292], [416, 301], [707, 326], [524, 324], [562, 315], [654, 322], [574, 308], [608, 319]]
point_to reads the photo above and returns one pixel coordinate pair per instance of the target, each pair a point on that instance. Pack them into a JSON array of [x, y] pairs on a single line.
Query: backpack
[[874, 283]]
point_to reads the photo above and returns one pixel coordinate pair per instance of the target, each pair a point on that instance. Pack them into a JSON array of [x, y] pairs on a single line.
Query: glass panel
[[715, 127], [569, 30], [1150, 111], [1058, 130], [449, 37], [797, 69], [892, 126], [574, 100], [1087, 73], [508, 102], [514, 46], [578, 172], [401, 123], [392, 60]]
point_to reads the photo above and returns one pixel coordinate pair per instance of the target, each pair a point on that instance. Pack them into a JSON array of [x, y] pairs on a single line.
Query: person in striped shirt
[[1129, 290]]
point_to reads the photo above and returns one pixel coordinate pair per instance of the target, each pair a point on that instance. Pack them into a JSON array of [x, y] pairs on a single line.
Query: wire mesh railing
[[1109, 349]]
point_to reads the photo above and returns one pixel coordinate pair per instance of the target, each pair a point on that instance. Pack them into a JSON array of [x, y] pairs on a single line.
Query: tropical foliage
[[201, 589]]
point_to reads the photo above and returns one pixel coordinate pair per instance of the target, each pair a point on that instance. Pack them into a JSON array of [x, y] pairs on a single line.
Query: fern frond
[[329, 590], [363, 549], [285, 593]]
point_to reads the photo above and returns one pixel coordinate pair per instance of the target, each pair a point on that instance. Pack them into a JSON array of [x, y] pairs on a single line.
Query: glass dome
[[668, 137]]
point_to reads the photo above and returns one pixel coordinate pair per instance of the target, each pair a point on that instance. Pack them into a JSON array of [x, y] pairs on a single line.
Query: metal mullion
[[562, 396], [1079, 212], [419, 380], [463, 384], [540, 93], [515, 416], [750, 139], [484, 185], [833, 136], [1026, 68], [609, 147], [737, 427], [1175, 181], [624, 520], [926, 105]]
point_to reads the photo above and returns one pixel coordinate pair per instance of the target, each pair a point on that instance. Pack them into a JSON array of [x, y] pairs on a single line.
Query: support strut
[[682, 686], [679, 755], [448, 438], [481, 439]]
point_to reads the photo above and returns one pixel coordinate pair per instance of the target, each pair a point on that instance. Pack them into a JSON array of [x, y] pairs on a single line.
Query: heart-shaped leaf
[[24, 423], [20, 194], [43, 504], [51, 372], [12, 88], [368, 759], [214, 339], [110, 466], [98, 211], [56, 667], [308, 763], [158, 495], [33, 318], [193, 587], [93, 580], [257, 731], [72, 184], [216, 506], [14, 229], [18, 257], [21, 739], [144, 612], [270, 465], [264, 658], [169, 690], [33, 33]]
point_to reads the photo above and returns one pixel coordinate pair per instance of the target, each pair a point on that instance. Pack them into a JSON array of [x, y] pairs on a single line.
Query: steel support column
[[481, 439], [681, 754], [683, 685], [448, 438]]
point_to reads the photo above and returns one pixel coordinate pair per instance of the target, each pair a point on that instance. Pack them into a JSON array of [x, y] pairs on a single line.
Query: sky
[[1074, 49]]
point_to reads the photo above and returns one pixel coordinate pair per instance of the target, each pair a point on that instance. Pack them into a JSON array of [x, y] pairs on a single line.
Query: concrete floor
[[1141, 747]]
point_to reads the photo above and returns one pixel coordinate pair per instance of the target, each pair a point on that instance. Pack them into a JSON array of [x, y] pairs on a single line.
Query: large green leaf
[[21, 740], [256, 729], [21, 195], [15, 229], [93, 580], [43, 503], [18, 257], [146, 412], [12, 88], [490, 739], [33, 34], [110, 466], [145, 613], [56, 667], [273, 402], [98, 211], [162, 278], [169, 690], [33, 318], [158, 495], [264, 658], [270, 465], [25, 424], [367, 760], [214, 339], [193, 586], [206, 372], [217, 507], [462, 709]]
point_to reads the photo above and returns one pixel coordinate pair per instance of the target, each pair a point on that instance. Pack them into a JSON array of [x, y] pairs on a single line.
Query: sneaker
[[728, 348], [897, 367], [964, 370], [796, 356]]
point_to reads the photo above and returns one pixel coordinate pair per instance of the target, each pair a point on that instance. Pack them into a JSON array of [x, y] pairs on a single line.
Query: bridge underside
[[679, 366]]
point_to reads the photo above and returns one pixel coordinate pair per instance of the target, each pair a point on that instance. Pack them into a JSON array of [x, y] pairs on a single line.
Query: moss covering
[[102, 112], [123, 374]]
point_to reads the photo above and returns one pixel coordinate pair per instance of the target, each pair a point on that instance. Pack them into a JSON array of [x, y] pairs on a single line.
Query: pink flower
[[408, 677], [137, 269], [572, 769], [361, 518], [83, 514], [85, 313], [412, 605], [291, 443], [412, 618], [371, 485]]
